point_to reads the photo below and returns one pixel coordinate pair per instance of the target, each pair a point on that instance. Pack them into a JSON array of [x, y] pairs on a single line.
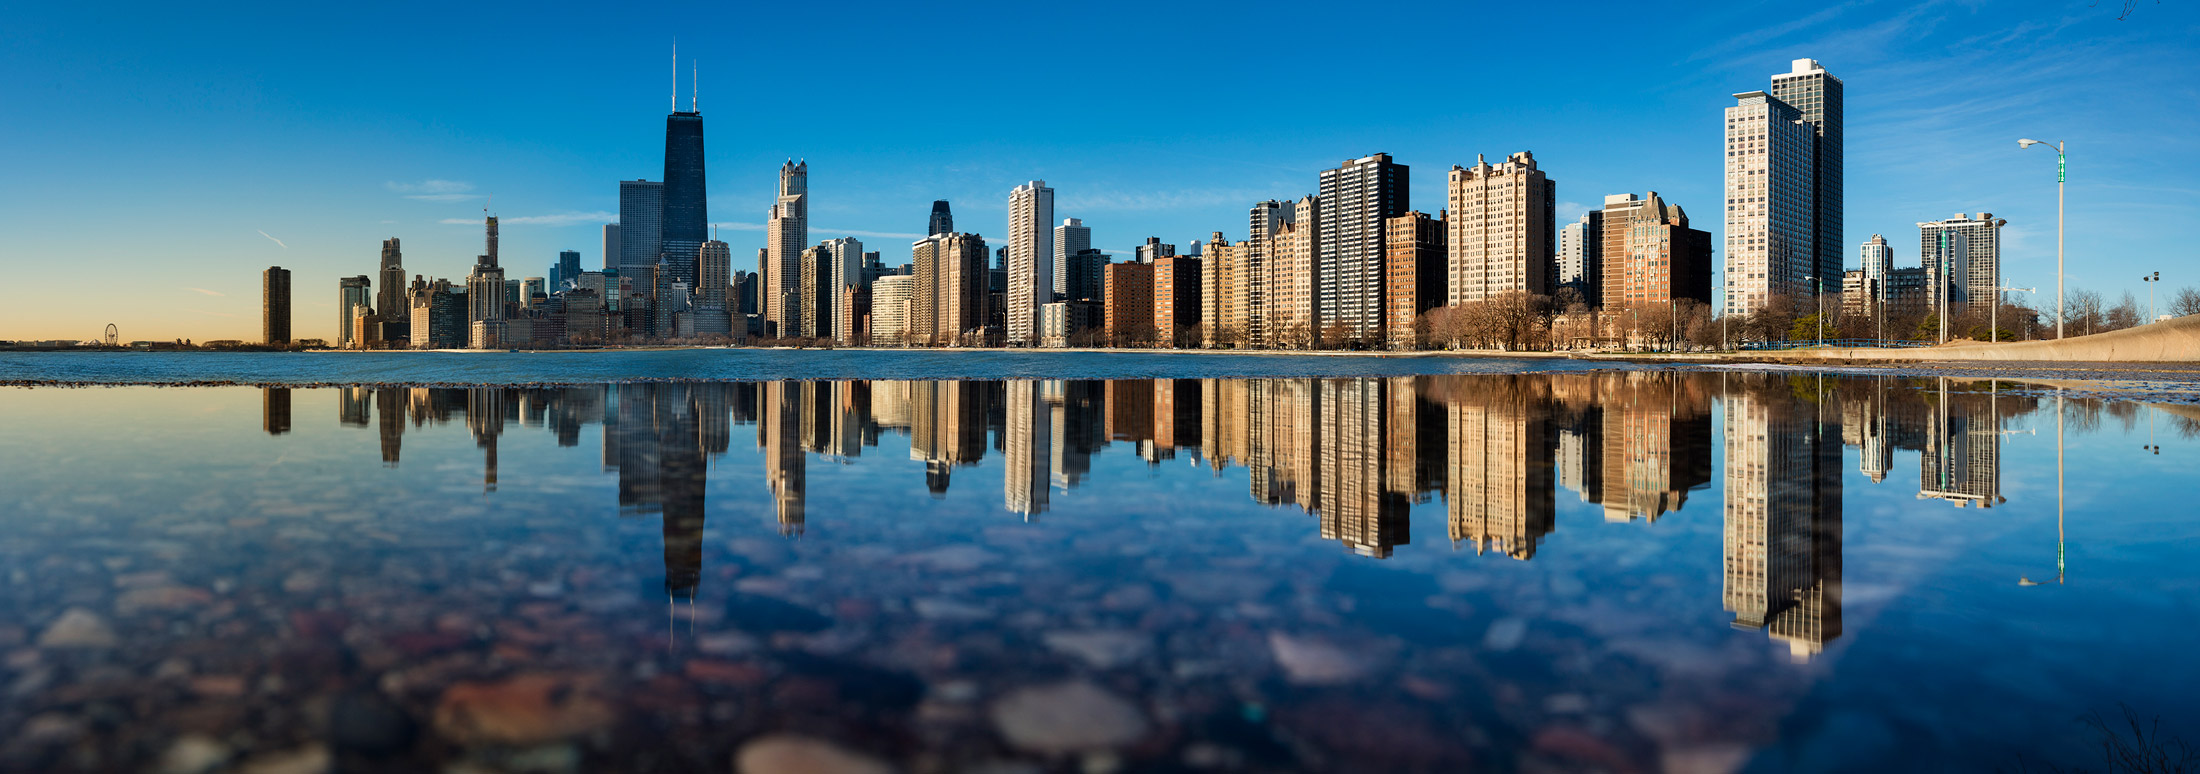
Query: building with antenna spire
[[686, 218]]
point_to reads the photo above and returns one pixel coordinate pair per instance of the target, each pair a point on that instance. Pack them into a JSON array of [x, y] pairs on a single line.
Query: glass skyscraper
[[686, 220]]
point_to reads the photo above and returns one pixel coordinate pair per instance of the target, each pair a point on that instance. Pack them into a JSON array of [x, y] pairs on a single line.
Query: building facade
[[352, 294], [641, 226], [1070, 238], [1128, 308], [1580, 246], [1503, 233], [1650, 255], [1980, 258], [275, 306], [1414, 275], [786, 235], [686, 220], [1771, 206], [1176, 301], [1817, 98], [1357, 198], [1030, 259]]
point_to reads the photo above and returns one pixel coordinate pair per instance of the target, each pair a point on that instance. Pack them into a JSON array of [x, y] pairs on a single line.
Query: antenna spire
[[675, 75], [695, 81]]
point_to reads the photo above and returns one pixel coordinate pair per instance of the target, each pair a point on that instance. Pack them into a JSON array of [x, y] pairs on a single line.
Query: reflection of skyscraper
[[389, 407], [1783, 515], [1028, 436], [485, 409], [1961, 462], [352, 406], [275, 410], [1498, 486], [1356, 507], [1656, 445], [780, 427], [1864, 425]]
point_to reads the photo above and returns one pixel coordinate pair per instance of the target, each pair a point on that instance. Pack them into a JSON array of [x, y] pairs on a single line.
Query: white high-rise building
[[890, 296], [1073, 235], [1771, 231], [1972, 246], [1580, 253], [1030, 260]]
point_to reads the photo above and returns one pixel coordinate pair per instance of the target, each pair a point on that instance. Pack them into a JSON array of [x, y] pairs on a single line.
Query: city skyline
[[206, 206]]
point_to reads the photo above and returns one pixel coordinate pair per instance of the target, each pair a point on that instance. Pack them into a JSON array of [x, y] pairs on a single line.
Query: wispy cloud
[[552, 220], [271, 238], [731, 226], [434, 190], [1117, 201], [204, 291], [210, 314]]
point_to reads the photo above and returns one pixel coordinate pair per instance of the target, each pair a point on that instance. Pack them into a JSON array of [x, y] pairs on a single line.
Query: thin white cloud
[[823, 232], [204, 291], [553, 220], [434, 190], [1113, 201], [271, 238], [210, 314], [739, 226]]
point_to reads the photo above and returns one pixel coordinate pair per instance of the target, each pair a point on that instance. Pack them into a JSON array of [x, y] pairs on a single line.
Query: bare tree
[[2082, 313], [2125, 314], [2187, 302]]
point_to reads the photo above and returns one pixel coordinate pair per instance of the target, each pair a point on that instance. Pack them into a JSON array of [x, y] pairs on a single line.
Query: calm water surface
[[1627, 572]]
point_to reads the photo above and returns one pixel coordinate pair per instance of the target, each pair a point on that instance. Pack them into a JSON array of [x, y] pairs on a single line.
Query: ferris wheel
[[112, 334]]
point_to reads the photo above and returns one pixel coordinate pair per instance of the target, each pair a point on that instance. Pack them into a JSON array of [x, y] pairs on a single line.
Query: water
[[1626, 571], [596, 366]]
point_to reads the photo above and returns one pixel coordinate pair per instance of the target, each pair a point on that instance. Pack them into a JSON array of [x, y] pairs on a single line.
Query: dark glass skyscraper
[[686, 217], [943, 221]]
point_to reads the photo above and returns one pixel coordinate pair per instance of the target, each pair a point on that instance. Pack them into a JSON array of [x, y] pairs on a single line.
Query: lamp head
[[2028, 143]]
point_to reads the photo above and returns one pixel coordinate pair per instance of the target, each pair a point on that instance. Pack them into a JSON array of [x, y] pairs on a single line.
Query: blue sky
[[145, 150]]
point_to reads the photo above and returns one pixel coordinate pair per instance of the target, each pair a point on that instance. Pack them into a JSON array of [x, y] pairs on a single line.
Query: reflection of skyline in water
[[1355, 453]]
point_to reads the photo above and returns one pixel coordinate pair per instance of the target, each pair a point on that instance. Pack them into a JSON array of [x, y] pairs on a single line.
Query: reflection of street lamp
[[2060, 168], [2025, 581], [1820, 292]]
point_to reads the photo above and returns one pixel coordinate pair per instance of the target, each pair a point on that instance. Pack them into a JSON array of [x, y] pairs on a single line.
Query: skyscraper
[[1771, 213], [1414, 272], [1292, 254], [641, 227], [1580, 246], [714, 277], [1817, 96], [686, 214], [1504, 235], [786, 233], [390, 302], [1069, 238], [1263, 220], [611, 243], [1154, 249], [485, 294], [1980, 262], [943, 221], [569, 270], [275, 305], [1650, 255], [1356, 198], [1783, 188], [1030, 259], [352, 295]]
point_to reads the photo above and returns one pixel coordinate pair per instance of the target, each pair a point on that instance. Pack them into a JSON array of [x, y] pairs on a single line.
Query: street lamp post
[[2060, 168], [2151, 311]]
